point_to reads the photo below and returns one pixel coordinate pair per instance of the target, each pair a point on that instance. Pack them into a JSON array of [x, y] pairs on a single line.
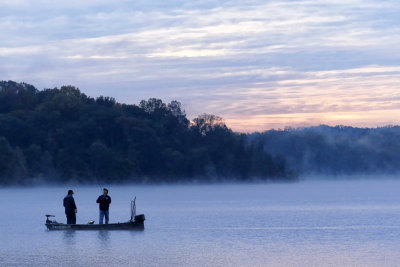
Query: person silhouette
[[104, 205]]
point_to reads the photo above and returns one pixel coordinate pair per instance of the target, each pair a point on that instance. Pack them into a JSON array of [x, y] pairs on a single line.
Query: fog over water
[[310, 223]]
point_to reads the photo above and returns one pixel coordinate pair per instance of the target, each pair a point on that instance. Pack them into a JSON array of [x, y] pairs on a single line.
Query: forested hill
[[60, 134], [339, 150]]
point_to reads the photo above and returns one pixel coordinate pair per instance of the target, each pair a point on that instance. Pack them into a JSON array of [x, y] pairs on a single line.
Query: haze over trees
[[339, 150], [60, 134]]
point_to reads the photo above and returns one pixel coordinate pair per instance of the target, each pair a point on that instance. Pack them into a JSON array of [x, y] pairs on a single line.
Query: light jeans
[[102, 215]]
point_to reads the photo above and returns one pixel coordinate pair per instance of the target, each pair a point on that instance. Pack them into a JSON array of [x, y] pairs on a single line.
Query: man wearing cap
[[70, 208], [104, 204]]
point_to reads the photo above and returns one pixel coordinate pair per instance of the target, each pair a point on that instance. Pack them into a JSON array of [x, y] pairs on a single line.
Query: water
[[330, 223]]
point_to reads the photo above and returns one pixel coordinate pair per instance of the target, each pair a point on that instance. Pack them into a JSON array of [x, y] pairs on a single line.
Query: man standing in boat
[[104, 204], [70, 207]]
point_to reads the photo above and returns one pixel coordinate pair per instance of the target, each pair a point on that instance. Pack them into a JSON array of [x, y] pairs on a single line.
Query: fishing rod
[[97, 182]]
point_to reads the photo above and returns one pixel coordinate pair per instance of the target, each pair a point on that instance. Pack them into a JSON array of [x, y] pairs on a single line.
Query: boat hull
[[135, 225]]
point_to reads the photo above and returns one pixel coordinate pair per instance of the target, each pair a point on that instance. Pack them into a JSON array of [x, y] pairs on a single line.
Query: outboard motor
[[134, 217], [139, 217], [133, 209]]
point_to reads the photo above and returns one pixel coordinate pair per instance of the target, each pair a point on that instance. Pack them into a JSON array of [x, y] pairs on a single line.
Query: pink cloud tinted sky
[[258, 64]]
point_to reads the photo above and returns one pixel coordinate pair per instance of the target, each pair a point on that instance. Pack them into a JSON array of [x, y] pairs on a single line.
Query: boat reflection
[[103, 236]]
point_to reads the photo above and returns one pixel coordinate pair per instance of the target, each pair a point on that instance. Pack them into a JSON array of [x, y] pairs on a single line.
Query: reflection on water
[[304, 224], [104, 236], [69, 237]]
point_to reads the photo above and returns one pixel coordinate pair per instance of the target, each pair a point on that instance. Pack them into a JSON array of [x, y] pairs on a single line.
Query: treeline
[[60, 134], [336, 150]]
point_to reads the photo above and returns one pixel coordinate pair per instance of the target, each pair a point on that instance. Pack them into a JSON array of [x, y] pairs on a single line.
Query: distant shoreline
[[302, 179], [63, 134]]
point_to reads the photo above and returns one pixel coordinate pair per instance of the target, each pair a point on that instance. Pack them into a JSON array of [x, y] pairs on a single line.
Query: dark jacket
[[69, 204], [104, 202]]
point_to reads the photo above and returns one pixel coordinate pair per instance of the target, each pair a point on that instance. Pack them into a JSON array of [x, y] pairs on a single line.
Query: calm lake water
[[327, 223]]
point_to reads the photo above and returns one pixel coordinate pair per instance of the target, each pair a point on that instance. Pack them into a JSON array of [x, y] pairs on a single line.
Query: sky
[[257, 64]]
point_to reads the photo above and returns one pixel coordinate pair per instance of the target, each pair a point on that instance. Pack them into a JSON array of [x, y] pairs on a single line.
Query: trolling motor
[[48, 220]]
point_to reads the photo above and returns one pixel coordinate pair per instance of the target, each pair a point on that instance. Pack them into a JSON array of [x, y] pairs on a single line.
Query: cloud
[[259, 64]]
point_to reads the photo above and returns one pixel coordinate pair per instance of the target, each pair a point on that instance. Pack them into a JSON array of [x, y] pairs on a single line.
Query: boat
[[136, 222]]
